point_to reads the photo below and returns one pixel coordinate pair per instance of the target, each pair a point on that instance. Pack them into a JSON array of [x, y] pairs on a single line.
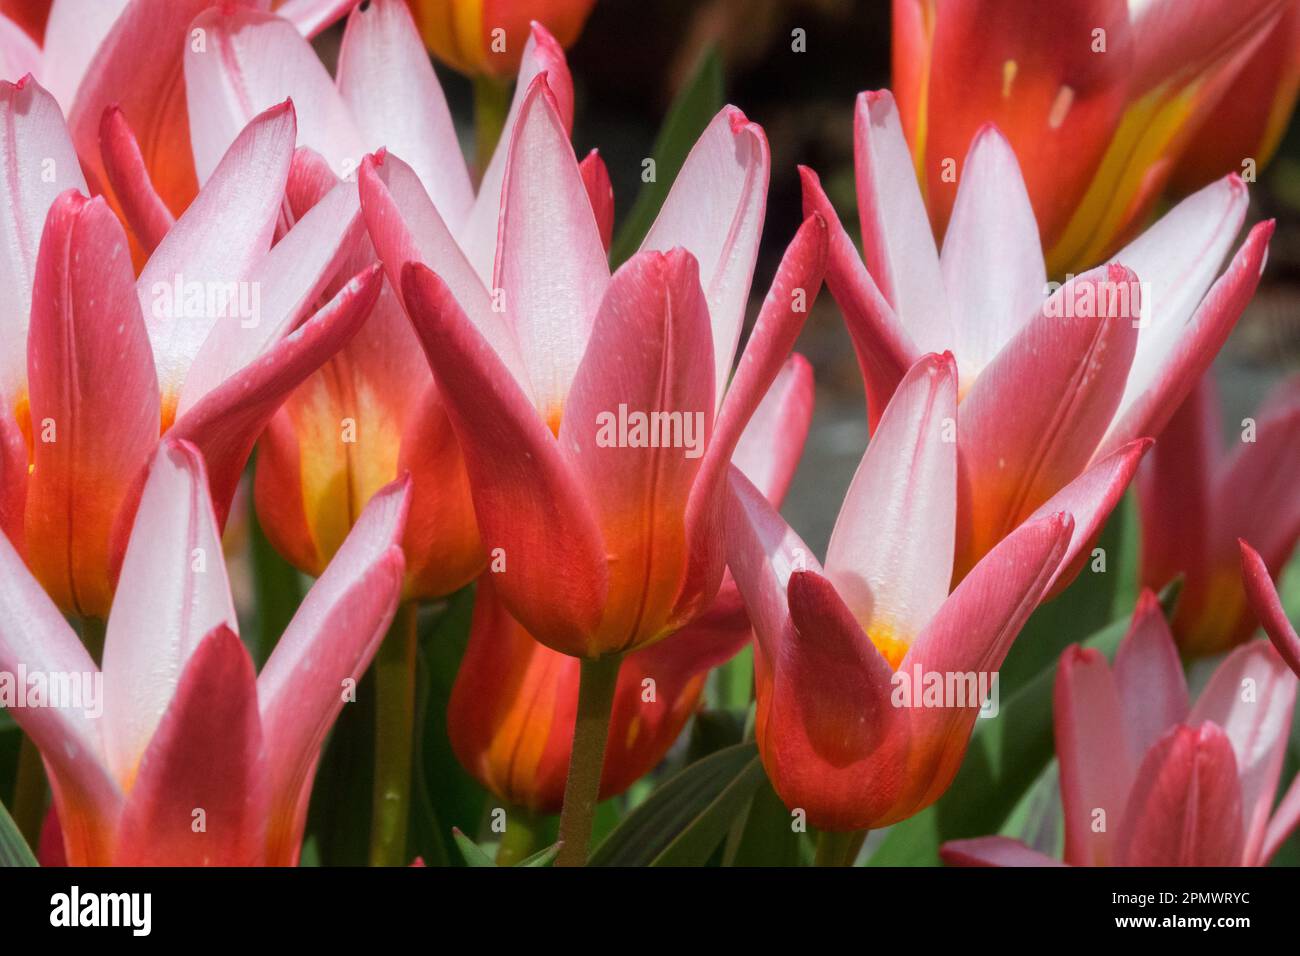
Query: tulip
[[112, 362], [194, 759], [514, 701], [1197, 499], [1099, 100], [486, 37], [373, 413], [838, 647], [1268, 606], [1057, 392], [1147, 779]]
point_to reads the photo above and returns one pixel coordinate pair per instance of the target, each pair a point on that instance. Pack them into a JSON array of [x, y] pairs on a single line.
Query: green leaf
[[471, 851], [1007, 753], [13, 848], [542, 857], [686, 818], [693, 108], [763, 836], [277, 588]]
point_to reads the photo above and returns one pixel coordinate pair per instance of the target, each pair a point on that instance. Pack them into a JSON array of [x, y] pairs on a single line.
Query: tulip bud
[[487, 37]]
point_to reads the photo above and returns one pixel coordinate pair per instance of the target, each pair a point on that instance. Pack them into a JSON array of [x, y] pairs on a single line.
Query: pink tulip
[[835, 643], [1057, 391], [101, 363], [377, 396], [195, 760], [1268, 606], [1146, 779], [1197, 499], [602, 544]]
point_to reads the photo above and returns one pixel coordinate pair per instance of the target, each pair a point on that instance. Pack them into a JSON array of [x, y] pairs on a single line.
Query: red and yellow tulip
[[487, 37]]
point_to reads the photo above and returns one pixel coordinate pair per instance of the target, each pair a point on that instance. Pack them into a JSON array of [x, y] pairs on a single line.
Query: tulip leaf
[[685, 819], [764, 835], [13, 848], [475, 855], [277, 589], [543, 857], [693, 108]]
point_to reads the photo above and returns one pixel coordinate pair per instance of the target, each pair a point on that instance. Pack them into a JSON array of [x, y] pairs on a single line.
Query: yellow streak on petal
[[1009, 70]]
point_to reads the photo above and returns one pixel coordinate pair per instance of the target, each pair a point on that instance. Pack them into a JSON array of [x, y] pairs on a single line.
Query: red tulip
[[514, 702], [1197, 499], [1098, 98], [486, 37], [839, 648], [1147, 780], [1059, 386], [605, 542], [204, 345], [195, 760]]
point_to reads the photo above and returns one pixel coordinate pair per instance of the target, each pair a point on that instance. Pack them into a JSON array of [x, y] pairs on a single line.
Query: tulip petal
[[19, 54], [253, 60], [405, 226], [542, 56], [552, 299], [313, 16], [771, 444], [1268, 606], [1251, 696], [242, 198], [1283, 823], [1149, 676], [898, 247], [330, 641], [13, 480], [144, 211], [715, 209], [524, 489], [650, 356], [385, 77], [172, 592], [73, 32], [1096, 755], [225, 423], [890, 554], [35, 638], [1186, 804], [1166, 372], [992, 259], [884, 349], [205, 758], [288, 280], [993, 851], [138, 67], [595, 177], [1175, 38], [33, 141], [94, 399], [1074, 356]]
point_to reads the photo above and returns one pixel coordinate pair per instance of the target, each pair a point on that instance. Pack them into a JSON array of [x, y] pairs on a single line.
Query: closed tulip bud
[[486, 37]]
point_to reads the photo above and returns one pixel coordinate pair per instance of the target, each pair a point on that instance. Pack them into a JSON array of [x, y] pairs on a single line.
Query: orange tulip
[[1099, 99], [487, 37]]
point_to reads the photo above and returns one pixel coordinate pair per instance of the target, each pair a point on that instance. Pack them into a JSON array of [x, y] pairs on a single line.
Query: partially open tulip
[[595, 412], [1268, 606], [1059, 385], [373, 412], [514, 702], [179, 754], [487, 37], [1197, 498], [1147, 779], [843, 650], [1099, 100], [204, 345]]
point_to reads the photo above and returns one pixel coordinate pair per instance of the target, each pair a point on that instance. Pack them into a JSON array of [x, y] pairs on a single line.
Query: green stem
[[520, 836], [491, 105], [394, 730], [29, 793], [838, 849], [596, 686]]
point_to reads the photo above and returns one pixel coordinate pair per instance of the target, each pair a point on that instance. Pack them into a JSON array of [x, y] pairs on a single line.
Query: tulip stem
[[839, 849], [29, 793], [596, 686], [519, 838], [491, 106], [394, 731]]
